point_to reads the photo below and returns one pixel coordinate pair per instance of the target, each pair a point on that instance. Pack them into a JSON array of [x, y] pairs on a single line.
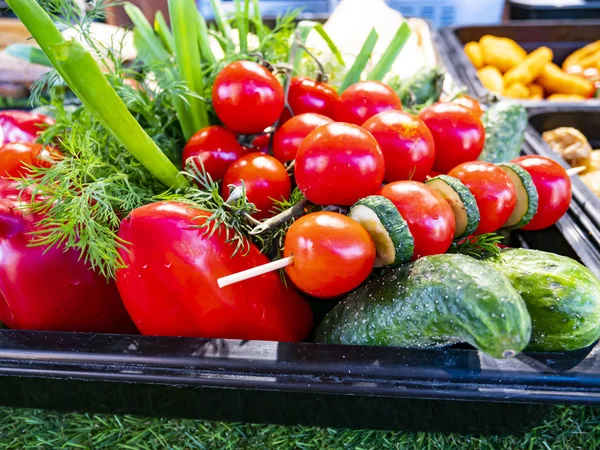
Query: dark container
[[554, 9], [586, 121], [452, 389], [562, 36]]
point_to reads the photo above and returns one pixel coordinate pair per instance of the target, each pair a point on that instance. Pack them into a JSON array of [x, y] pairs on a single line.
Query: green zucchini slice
[[527, 196], [462, 202], [381, 219]]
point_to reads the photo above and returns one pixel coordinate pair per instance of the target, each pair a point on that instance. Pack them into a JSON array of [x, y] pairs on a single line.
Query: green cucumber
[[562, 296], [435, 301], [424, 87], [393, 241], [505, 123], [527, 196], [462, 202]]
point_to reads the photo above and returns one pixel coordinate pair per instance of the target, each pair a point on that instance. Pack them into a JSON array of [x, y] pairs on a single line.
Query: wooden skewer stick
[[255, 271], [575, 170]]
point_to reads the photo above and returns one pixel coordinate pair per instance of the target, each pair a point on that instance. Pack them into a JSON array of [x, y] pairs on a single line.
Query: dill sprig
[[479, 247]]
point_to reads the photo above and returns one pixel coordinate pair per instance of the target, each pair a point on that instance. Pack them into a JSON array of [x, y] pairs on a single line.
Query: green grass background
[[565, 428]]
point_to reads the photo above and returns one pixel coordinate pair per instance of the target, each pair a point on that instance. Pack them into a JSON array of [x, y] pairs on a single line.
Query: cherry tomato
[[363, 100], [470, 103], [22, 126], [265, 180], [493, 190], [554, 189], [339, 163], [458, 134], [306, 95], [247, 97], [14, 158], [216, 147], [430, 219], [169, 282], [332, 253], [290, 135], [259, 144], [406, 143]]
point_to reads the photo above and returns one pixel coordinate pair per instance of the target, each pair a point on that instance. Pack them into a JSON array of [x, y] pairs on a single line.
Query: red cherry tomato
[[458, 134], [265, 180], [290, 135], [216, 147], [310, 96], [554, 189], [470, 103], [14, 158], [169, 285], [430, 219], [247, 97], [406, 143], [363, 100], [332, 253], [21, 126], [339, 163], [493, 190], [259, 144]]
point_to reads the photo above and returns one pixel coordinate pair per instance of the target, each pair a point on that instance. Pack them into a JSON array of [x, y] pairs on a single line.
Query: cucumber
[[435, 301], [393, 241], [562, 296], [505, 123], [462, 202], [527, 196], [424, 87]]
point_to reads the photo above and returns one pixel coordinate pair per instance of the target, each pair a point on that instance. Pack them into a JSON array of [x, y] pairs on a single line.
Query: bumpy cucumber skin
[[505, 123], [468, 200], [532, 193], [562, 296], [424, 87], [435, 301], [394, 223]]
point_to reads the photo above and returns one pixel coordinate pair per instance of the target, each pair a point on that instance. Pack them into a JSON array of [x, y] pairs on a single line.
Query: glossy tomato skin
[[247, 97], [49, 288], [307, 95], [493, 190], [338, 164], [15, 156], [22, 126], [259, 144], [170, 287], [406, 143], [289, 136], [363, 100], [430, 219], [216, 147], [458, 134], [332, 253], [554, 189], [470, 103], [265, 180]]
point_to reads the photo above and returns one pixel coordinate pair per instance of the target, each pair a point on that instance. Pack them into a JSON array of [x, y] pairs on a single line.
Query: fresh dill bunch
[[479, 247], [231, 216]]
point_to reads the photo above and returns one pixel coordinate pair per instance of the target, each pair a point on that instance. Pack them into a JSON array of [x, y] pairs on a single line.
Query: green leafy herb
[[479, 247]]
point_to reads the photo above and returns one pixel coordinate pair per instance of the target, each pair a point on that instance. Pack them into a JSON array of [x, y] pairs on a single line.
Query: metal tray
[[562, 36]]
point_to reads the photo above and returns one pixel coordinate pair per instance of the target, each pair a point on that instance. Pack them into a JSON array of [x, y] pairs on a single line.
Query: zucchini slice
[[462, 202], [381, 219], [527, 196]]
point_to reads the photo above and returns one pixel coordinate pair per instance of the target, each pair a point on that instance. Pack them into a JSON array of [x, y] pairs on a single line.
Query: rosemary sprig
[[479, 247]]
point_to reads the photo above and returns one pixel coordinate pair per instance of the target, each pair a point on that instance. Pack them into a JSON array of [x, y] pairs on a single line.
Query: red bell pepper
[[50, 289], [170, 285], [22, 126]]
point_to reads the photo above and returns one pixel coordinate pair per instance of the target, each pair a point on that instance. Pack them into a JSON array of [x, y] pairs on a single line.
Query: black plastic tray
[[562, 36], [554, 9], [585, 120]]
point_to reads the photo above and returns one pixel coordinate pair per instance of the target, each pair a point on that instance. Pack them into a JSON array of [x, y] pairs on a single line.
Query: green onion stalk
[[83, 75]]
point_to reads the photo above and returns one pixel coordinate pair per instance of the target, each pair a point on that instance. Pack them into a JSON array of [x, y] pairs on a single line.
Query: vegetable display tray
[[451, 389], [586, 121], [563, 37]]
